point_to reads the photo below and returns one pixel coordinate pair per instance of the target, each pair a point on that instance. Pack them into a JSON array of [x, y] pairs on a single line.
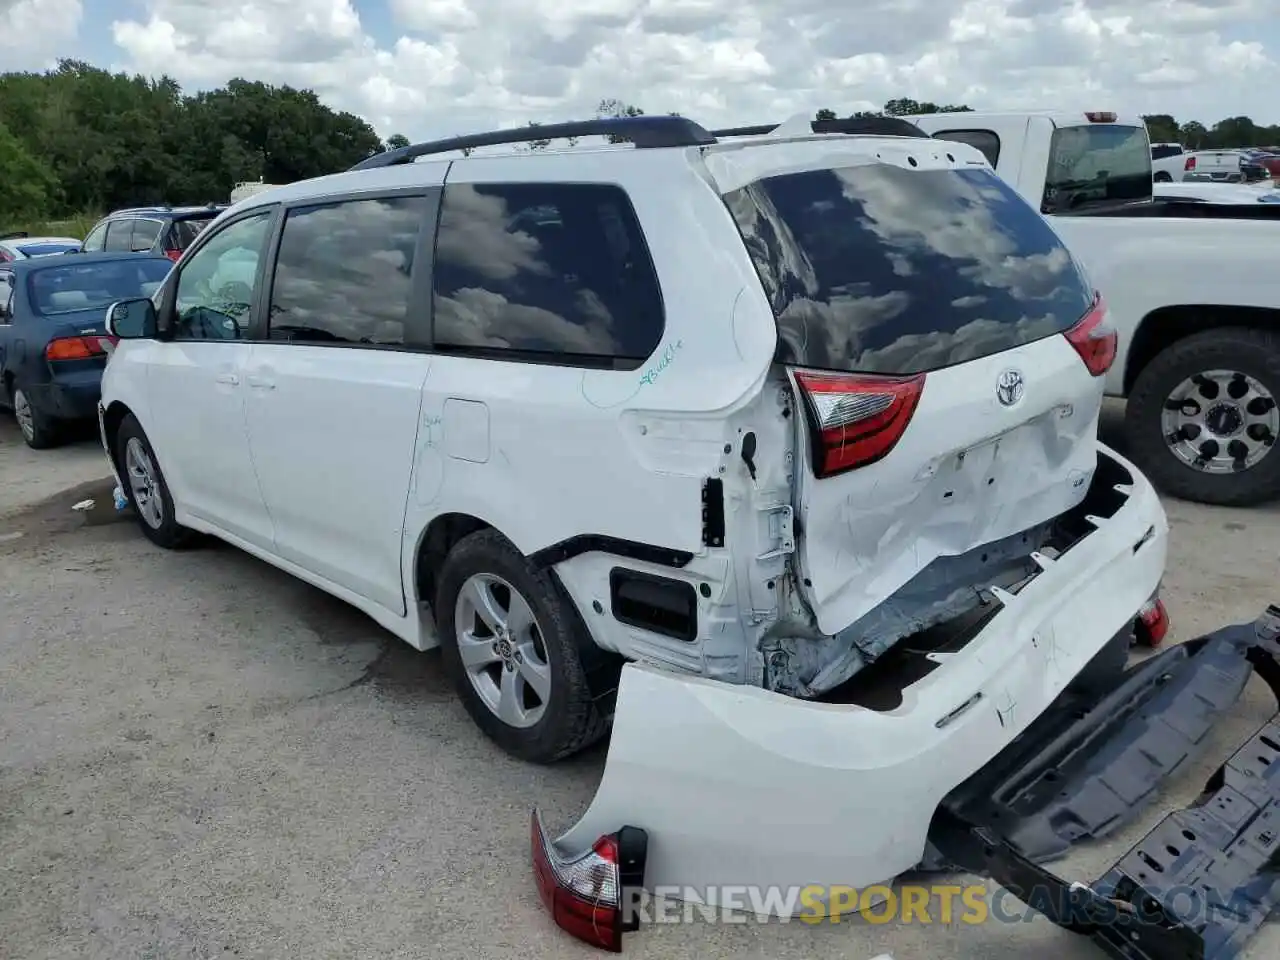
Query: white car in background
[[1213, 193], [22, 246]]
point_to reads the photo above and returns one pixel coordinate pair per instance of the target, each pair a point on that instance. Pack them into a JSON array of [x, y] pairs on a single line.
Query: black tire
[[1255, 353], [573, 718], [1162, 177], [167, 533], [45, 432]]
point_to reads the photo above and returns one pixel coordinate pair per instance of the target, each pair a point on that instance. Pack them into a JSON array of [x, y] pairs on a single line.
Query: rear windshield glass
[[882, 269], [1094, 164], [184, 231], [94, 286]]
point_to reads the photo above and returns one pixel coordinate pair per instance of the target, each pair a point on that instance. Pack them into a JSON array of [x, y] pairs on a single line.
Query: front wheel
[[1202, 418], [515, 648], [146, 488]]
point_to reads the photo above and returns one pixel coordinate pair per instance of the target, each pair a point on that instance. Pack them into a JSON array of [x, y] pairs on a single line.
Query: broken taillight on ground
[[1153, 623], [856, 419], [593, 896]]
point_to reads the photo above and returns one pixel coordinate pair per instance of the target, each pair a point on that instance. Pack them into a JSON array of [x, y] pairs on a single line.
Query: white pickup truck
[[1192, 289]]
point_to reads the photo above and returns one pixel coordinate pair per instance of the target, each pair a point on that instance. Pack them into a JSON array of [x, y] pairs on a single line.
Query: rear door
[[921, 308], [333, 391]]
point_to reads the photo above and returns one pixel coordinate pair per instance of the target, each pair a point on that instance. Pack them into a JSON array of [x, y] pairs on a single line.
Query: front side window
[[216, 287], [888, 270], [560, 271], [75, 285], [344, 273], [1096, 163]]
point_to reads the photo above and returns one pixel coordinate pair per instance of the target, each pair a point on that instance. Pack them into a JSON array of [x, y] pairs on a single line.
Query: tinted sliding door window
[[554, 271], [344, 273]]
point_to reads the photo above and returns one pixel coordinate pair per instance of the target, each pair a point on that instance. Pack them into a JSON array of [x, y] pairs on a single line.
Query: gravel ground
[[202, 757]]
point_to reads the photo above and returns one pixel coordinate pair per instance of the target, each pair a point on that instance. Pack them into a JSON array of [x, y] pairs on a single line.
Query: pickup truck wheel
[[1202, 418], [512, 642], [1163, 177]]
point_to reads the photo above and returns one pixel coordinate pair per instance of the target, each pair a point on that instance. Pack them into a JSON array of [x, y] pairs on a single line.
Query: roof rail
[[866, 126], [643, 131]]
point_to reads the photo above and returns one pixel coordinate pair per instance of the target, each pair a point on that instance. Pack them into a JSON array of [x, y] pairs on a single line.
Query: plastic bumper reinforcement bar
[[1199, 885]]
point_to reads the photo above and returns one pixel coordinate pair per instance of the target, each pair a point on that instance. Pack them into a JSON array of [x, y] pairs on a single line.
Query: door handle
[[261, 383], [228, 378]]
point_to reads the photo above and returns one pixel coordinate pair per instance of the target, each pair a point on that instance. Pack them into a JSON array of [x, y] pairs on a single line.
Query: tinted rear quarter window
[[985, 141], [1096, 163], [881, 269], [554, 271], [344, 272]]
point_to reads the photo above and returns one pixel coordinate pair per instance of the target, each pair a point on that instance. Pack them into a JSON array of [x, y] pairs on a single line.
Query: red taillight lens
[[78, 348], [593, 896], [856, 419], [1095, 339], [1153, 623], [1189, 164], [174, 255]]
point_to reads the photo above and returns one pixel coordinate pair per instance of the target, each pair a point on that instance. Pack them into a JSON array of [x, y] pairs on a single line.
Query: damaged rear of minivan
[[948, 553]]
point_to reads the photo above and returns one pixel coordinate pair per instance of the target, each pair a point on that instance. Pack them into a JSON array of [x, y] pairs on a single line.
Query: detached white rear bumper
[[991, 764], [739, 785]]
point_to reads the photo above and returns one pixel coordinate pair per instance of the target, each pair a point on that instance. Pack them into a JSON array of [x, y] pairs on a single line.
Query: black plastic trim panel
[[598, 543], [1204, 880]]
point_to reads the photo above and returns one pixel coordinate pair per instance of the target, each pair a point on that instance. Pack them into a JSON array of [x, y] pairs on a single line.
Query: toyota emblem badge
[[1010, 387]]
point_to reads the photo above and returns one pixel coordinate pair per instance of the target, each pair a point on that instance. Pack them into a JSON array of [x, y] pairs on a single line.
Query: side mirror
[[132, 319]]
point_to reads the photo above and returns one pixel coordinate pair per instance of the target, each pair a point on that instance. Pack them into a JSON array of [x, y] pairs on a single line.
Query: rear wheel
[[514, 646], [146, 489], [1162, 177], [39, 430], [1202, 418]]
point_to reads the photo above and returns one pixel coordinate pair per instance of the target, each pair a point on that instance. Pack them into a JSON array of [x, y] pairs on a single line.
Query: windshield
[[1096, 163], [882, 269], [94, 286]]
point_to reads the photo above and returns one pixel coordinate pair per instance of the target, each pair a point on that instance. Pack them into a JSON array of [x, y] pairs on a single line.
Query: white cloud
[[34, 33], [448, 66]]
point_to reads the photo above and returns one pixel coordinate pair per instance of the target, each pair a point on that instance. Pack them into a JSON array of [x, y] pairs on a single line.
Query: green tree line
[[82, 139]]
